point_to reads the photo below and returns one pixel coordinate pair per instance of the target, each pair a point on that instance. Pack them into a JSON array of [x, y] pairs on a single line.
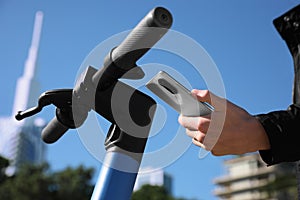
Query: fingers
[[195, 123], [196, 142], [197, 137], [206, 96], [202, 95], [196, 128], [190, 123]]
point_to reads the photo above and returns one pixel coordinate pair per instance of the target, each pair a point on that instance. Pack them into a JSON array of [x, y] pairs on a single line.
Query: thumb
[[202, 95], [209, 97]]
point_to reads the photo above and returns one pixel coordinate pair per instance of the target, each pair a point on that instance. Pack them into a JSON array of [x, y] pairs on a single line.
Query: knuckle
[[180, 119], [203, 125], [205, 93], [199, 137]]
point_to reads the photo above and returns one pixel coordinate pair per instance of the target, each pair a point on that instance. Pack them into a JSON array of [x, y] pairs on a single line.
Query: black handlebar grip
[[53, 131], [142, 38]]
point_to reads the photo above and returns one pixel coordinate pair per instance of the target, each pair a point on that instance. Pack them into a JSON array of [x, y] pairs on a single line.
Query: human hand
[[229, 129]]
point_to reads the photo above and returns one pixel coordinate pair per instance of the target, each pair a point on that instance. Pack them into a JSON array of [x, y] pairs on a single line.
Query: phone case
[[177, 96]]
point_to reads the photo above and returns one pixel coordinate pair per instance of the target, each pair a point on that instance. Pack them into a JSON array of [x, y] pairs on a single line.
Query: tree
[[29, 183], [284, 183], [37, 183], [73, 184], [3, 164], [151, 192]]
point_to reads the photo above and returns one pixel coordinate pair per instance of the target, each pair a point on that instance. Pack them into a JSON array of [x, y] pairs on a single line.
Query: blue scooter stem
[[117, 177]]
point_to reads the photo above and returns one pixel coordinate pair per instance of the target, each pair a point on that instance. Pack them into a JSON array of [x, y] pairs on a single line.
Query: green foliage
[[3, 164], [284, 184], [73, 183], [150, 192], [282, 187], [153, 192], [30, 183], [37, 183]]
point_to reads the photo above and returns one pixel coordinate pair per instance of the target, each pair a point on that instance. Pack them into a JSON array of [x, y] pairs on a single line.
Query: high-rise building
[[154, 177], [20, 141], [248, 177]]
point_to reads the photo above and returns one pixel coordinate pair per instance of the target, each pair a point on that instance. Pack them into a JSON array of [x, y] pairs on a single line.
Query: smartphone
[[177, 96]]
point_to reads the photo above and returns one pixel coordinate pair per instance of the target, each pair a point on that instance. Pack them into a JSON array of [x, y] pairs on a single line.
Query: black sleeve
[[283, 130]]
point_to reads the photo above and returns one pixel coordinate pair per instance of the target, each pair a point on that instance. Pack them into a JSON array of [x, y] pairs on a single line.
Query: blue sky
[[253, 62]]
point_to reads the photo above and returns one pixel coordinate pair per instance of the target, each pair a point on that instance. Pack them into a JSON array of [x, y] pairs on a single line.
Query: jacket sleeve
[[283, 130]]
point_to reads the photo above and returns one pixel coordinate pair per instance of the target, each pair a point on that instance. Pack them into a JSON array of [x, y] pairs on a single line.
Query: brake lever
[[61, 98]]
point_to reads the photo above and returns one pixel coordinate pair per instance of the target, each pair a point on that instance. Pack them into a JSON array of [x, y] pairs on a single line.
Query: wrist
[[260, 136]]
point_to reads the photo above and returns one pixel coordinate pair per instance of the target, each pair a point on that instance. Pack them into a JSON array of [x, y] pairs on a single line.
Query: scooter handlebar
[[142, 38], [53, 131]]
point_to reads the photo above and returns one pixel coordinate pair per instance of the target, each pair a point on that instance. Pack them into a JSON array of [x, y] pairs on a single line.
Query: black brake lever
[[61, 98]]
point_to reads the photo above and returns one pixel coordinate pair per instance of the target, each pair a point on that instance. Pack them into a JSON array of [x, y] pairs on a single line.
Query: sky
[[248, 56]]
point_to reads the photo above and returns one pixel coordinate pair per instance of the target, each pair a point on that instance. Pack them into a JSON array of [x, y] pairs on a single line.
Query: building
[[158, 177], [20, 141], [248, 178]]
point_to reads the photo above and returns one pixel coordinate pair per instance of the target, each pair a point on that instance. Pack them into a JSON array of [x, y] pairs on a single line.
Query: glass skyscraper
[[20, 141]]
